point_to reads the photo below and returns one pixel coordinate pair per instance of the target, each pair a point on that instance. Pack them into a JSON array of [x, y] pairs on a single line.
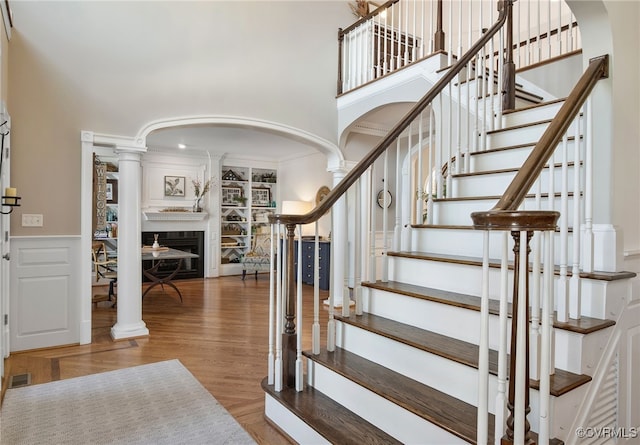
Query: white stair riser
[[437, 318], [494, 184], [471, 243], [389, 417], [455, 379], [466, 279], [458, 213], [513, 158], [291, 424], [521, 135], [534, 114]]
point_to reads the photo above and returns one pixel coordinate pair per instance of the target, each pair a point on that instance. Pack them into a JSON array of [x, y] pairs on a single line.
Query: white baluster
[[587, 254], [432, 172], [357, 249], [272, 308], [483, 349], [563, 280], [315, 329], [278, 315], [547, 313], [372, 228], [299, 368], [574, 283], [385, 230], [501, 396], [420, 193]]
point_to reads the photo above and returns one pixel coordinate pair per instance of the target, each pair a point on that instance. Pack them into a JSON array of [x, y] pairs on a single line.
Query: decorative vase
[[155, 244], [196, 205]]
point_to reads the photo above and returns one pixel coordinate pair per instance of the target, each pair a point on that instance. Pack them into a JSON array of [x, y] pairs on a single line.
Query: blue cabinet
[[308, 262]]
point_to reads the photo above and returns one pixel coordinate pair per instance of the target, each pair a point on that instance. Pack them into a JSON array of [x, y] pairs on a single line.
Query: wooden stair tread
[[529, 107], [331, 420], [475, 261], [449, 413], [512, 147], [456, 227], [496, 197], [453, 349], [584, 325], [505, 170]]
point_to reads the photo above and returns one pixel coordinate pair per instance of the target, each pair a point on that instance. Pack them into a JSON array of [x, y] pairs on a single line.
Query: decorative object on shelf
[[229, 195], [231, 175], [199, 191], [174, 209], [261, 197], [155, 244], [322, 193], [382, 200], [174, 185], [242, 200], [111, 192]]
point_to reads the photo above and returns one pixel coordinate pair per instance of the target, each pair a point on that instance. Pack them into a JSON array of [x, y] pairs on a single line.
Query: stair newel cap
[[524, 220]]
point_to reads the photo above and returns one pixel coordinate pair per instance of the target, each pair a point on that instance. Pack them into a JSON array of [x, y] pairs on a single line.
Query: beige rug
[[158, 403]]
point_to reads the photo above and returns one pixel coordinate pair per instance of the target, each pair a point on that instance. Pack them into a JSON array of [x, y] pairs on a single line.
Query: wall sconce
[[10, 199]]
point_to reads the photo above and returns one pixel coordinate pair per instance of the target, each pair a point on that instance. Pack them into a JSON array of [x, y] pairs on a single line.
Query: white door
[[4, 240]]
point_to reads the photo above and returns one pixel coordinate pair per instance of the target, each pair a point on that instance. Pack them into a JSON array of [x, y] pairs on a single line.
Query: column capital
[[343, 167], [131, 149]]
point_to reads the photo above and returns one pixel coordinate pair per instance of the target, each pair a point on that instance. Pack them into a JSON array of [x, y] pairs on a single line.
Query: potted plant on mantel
[[199, 191]]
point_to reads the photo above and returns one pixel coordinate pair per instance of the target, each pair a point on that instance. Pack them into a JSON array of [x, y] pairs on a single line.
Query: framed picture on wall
[[174, 185], [231, 196], [111, 193]]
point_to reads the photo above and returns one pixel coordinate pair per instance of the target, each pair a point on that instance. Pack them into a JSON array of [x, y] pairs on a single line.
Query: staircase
[[406, 369], [406, 365]]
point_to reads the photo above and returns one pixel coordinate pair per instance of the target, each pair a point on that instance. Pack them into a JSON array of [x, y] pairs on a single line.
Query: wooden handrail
[[395, 132], [541, 153]]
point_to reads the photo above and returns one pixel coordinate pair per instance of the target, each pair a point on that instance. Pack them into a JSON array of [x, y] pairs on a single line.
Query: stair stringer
[[604, 407]]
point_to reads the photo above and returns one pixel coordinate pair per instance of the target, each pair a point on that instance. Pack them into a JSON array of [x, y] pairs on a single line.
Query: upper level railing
[[402, 32]]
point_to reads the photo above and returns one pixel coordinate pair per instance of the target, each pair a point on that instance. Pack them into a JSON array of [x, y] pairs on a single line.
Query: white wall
[[300, 180]]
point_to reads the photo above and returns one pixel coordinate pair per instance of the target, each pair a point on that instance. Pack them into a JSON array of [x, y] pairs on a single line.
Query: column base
[[338, 303], [120, 331]]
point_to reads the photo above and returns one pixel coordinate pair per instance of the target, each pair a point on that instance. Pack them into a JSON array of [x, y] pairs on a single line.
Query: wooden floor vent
[[16, 381]]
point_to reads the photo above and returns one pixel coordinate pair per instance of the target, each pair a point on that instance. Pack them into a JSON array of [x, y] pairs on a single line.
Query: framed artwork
[[231, 196], [260, 197], [111, 192], [174, 185]]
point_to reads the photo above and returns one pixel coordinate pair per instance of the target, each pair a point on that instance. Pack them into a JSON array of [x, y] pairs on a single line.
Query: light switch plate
[[31, 220]]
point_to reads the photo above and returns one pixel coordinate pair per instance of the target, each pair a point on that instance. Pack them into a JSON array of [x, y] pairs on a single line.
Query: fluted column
[[339, 242], [129, 316]]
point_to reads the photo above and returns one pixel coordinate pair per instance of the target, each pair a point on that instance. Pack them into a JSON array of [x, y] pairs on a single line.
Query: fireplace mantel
[[174, 216]]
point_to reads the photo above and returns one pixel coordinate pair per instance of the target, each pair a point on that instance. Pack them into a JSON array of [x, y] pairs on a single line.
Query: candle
[[11, 191]]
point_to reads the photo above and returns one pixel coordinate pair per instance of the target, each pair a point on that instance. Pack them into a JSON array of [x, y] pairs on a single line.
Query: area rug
[[158, 403]]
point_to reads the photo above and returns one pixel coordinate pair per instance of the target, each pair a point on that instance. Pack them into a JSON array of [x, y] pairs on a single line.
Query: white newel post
[[129, 322]]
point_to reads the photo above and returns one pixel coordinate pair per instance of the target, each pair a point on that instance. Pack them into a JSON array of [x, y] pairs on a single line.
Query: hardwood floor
[[219, 333]]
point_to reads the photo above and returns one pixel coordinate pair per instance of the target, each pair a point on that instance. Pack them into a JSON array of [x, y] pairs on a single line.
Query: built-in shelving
[[248, 195]]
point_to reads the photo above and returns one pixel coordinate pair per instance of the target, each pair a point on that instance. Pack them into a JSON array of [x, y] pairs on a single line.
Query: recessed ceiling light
[[182, 146]]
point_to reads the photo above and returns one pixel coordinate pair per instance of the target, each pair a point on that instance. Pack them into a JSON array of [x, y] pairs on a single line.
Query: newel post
[[438, 37], [509, 69], [289, 338], [522, 224]]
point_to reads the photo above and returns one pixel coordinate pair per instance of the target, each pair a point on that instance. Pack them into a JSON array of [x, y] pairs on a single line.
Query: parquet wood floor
[[219, 333]]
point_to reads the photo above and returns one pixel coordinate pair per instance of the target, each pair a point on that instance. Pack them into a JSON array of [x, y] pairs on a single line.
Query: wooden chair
[[104, 267], [258, 258]]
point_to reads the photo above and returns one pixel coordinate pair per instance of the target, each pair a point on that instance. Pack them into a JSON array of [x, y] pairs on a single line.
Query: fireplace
[[189, 241]]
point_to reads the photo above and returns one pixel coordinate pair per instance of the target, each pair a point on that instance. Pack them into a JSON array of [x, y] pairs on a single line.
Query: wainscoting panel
[[45, 298]]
